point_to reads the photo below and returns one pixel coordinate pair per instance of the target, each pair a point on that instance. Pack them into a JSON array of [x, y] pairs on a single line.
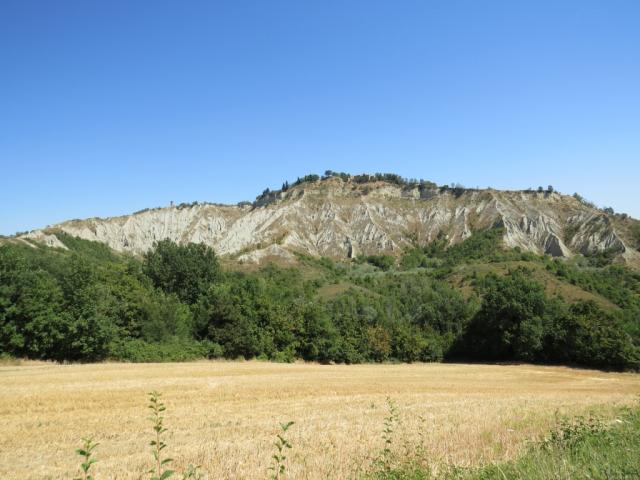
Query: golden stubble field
[[224, 415]]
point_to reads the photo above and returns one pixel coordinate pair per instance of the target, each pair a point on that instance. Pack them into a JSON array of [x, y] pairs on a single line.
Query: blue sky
[[109, 107]]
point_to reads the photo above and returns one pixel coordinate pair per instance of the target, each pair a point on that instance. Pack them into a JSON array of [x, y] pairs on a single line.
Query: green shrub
[[175, 350], [96, 251], [383, 262], [635, 233]]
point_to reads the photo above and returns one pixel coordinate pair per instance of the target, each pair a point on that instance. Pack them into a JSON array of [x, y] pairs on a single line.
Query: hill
[[342, 269], [343, 216]]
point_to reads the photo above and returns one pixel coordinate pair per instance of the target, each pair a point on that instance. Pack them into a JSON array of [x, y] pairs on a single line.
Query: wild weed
[[157, 444], [390, 464], [159, 472], [86, 452], [193, 473], [569, 432], [282, 444], [421, 450], [384, 460]]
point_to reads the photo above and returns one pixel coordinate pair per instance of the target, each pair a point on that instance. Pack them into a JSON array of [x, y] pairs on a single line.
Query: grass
[[586, 448], [223, 416], [8, 360], [461, 278], [578, 448]]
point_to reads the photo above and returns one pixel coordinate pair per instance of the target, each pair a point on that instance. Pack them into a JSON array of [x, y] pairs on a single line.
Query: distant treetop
[[267, 195], [454, 188]]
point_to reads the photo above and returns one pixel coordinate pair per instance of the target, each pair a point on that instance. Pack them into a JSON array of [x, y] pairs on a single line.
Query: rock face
[[343, 219]]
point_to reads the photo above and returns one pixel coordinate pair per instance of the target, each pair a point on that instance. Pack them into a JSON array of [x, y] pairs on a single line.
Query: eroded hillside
[[340, 218]]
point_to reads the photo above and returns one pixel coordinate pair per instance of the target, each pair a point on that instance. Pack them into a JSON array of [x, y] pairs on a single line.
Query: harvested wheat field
[[224, 415]]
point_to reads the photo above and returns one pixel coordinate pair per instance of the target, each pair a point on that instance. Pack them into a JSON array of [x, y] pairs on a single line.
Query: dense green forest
[[474, 301]]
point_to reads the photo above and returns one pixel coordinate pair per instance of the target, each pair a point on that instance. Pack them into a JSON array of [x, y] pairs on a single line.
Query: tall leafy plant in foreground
[[159, 471], [282, 444], [86, 452]]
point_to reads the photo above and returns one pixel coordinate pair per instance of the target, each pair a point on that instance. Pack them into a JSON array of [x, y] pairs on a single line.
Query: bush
[[383, 262], [635, 233], [175, 350]]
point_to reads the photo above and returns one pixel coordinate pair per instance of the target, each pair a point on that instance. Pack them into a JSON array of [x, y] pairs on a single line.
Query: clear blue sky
[[107, 107]]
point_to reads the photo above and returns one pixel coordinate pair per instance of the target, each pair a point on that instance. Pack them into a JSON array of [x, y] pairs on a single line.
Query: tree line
[[177, 303]]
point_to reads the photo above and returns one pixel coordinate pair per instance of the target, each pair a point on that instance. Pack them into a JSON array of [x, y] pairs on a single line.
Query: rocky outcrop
[[343, 219], [49, 239]]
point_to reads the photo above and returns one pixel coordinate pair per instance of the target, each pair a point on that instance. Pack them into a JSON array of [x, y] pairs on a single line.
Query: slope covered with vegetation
[[472, 301]]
